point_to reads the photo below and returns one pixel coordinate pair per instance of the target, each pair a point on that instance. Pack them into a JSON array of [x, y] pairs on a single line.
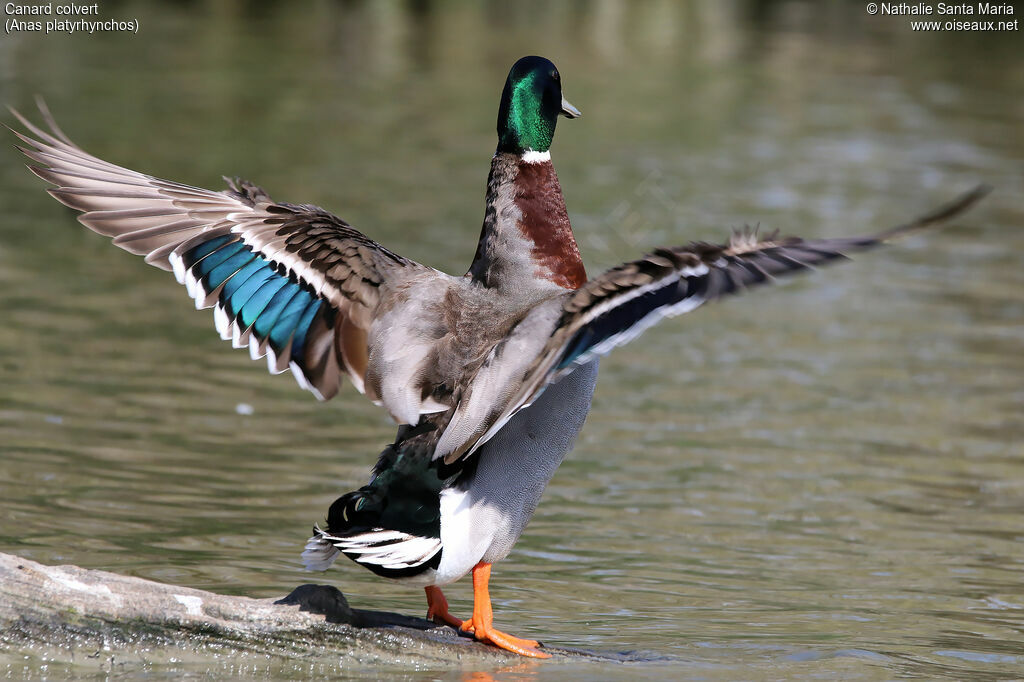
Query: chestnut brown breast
[[545, 222]]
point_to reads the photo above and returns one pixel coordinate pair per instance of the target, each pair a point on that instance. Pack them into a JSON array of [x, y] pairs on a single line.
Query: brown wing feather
[[158, 219], [614, 307]]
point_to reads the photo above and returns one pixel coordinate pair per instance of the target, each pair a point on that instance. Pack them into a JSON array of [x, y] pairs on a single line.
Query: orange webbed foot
[[437, 608], [482, 622], [491, 635]]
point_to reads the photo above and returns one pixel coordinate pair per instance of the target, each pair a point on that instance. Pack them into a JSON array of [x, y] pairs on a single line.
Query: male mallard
[[490, 374]]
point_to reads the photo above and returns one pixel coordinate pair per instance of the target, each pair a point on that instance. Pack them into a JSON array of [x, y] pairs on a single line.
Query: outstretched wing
[[293, 283], [618, 305]]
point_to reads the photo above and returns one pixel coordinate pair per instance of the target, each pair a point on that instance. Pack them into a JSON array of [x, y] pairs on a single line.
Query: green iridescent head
[[530, 105]]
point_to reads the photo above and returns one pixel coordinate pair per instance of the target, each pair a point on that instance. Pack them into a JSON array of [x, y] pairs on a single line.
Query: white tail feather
[[319, 553], [390, 549]]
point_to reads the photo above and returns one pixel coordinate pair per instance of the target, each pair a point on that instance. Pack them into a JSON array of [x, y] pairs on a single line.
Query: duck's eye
[[554, 74]]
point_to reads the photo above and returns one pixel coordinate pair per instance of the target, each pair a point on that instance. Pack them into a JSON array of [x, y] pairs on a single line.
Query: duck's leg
[[437, 607], [482, 622]]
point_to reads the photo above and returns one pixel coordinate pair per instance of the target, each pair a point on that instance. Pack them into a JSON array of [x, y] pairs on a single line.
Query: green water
[[823, 480]]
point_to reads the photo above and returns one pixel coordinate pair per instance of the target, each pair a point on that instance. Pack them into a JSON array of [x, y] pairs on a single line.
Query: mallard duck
[[489, 374]]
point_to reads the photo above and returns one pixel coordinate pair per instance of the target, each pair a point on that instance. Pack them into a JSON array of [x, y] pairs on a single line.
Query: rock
[[70, 617], [68, 621]]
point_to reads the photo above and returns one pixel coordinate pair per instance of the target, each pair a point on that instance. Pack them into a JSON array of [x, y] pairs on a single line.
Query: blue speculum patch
[[254, 293], [620, 319]]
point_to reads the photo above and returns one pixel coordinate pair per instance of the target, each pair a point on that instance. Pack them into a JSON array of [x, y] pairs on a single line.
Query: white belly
[[482, 518]]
